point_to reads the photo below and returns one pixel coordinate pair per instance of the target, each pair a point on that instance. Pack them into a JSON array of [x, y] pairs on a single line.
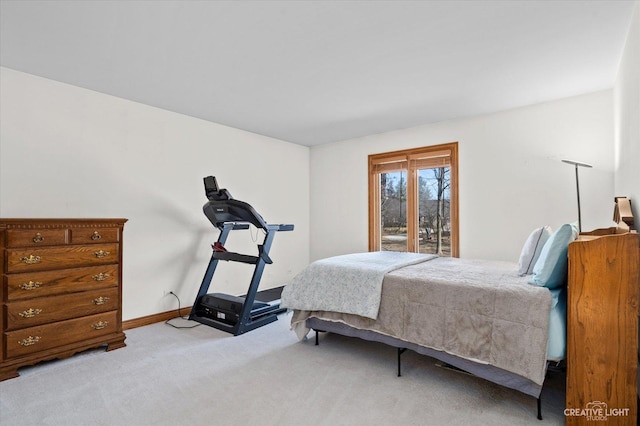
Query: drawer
[[27, 313], [28, 285], [94, 235], [42, 259], [36, 237], [40, 338]]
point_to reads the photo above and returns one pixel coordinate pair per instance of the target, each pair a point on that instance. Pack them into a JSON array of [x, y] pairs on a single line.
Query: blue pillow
[[551, 267]]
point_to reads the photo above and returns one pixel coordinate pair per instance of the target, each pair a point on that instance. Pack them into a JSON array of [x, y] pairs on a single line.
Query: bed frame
[[484, 371], [624, 231]]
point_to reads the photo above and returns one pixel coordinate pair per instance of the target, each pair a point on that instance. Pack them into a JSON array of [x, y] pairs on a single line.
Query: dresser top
[[59, 222]]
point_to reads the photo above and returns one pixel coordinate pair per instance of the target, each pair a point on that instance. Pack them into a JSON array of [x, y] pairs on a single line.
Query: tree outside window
[[413, 200]]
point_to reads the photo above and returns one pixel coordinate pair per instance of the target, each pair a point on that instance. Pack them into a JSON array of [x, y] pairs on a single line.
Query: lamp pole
[[577, 164]]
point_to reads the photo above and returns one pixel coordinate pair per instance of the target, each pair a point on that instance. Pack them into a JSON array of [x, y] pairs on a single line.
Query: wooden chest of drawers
[[61, 289], [602, 329]]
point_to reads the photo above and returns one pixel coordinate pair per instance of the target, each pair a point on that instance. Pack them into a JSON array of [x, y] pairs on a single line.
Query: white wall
[[627, 117], [70, 152], [511, 176]]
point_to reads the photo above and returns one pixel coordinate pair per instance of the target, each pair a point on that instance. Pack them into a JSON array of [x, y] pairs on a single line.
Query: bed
[[501, 321]]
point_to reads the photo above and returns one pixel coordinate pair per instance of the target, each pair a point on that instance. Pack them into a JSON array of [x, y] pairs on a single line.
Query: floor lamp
[[576, 164]]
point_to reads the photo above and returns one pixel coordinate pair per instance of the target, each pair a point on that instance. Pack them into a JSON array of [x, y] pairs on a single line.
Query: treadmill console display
[[222, 207]]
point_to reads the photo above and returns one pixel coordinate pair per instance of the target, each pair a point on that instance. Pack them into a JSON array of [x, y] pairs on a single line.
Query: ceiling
[[312, 72]]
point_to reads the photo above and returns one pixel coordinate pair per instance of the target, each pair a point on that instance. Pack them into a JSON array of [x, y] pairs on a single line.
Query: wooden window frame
[[410, 160]]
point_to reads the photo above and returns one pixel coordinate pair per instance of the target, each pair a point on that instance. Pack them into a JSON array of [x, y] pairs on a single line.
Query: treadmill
[[234, 314]]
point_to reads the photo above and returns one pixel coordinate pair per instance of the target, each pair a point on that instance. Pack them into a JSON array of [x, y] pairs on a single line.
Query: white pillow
[[531, 250]]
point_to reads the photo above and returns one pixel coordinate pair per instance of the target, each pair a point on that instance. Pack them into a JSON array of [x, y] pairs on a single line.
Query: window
[[413, 200]]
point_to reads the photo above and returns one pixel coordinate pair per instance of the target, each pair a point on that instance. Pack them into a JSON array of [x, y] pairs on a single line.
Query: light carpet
[[168, 376]]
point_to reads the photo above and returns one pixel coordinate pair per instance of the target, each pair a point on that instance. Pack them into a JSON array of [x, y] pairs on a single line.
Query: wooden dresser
[[61, 289], [602, 328]]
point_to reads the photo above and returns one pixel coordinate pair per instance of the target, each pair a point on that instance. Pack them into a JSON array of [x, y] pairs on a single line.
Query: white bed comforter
[[349, 284]]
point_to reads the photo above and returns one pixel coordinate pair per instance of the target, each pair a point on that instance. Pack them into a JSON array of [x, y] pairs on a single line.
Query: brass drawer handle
[[100, 325], [31, 259], [31, 285], [31, 340], [30, 313], [96, 236], [100, 300], [38, 238], [101, 253], [100, 277]]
